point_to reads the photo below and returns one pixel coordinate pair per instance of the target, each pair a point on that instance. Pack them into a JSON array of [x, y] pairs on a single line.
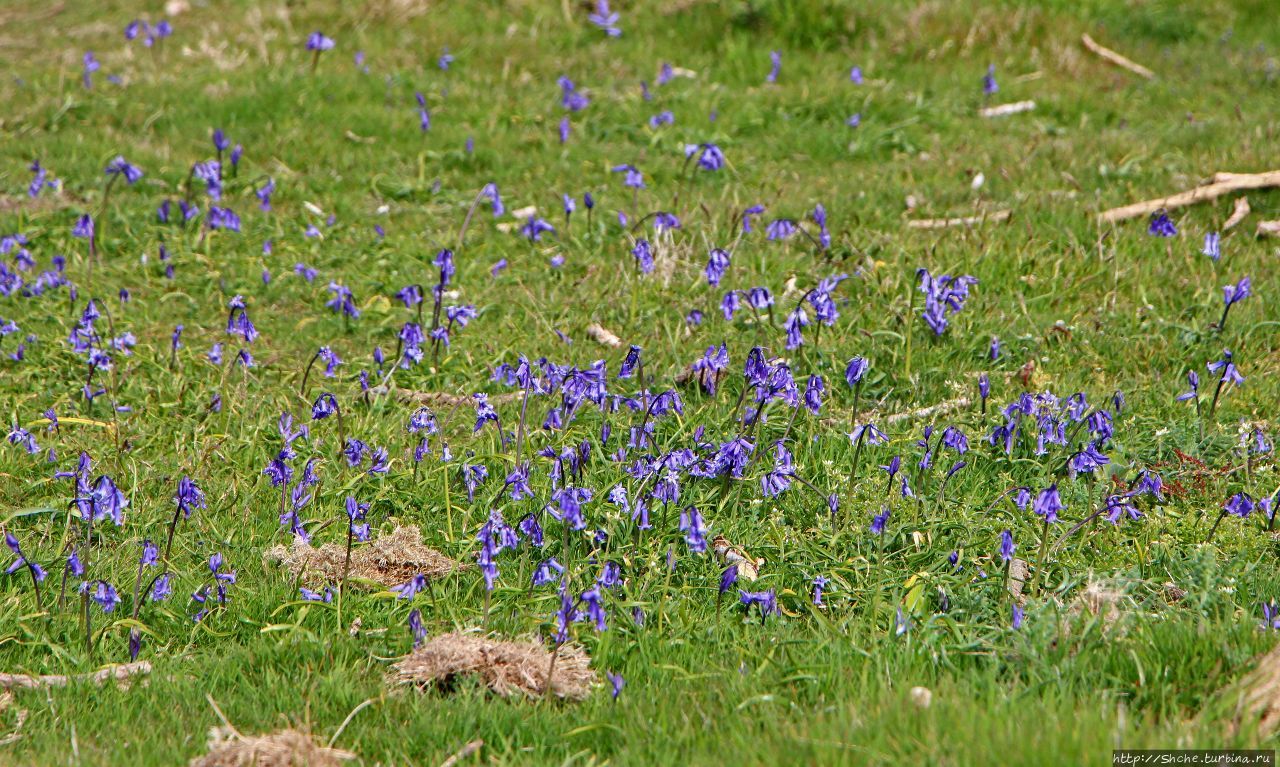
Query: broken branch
[[116, 673], [1223, 183], [1115, 58], [943, 223]]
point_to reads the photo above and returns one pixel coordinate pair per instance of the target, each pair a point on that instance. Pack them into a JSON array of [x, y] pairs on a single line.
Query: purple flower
[[776, 481], [343, 301], [36, 570], [879, 521], [766, 601], [101, 593], [410, 588], [570, 99], [83, 227], [1240, 505], [90, 65], [1233, 294], [317, 41], [535, 227], [775, 60], [779, 229], [717, 265], [643, 254], [547, 571], [1048, 503], [121, 167], [709, 156], [608, 21], [189, 497], [1229, 373], [1161, 225], [819, 583], [989, 85], [615, 680], [1194, 380], [695, 531], [416, 629], [855, 370], [813, 394], [1007, 546], [1212, 247], [944, 295], [632, 176]]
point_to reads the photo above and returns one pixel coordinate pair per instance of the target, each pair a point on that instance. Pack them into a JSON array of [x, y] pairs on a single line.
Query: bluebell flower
[[534, 227], [410, 588], [317, 41], [813, 394], [570, 98], [102, 594], [709, 157], [780, 229], [606, 20], [989, 85], [775, 60], [1212, 246], [766, 601], [695, 531], [879, 521], [1161, 225], [819, 584], [1233, 294], [122, 167], [1240, 505], [631, 176], [1007, 546], [1048, 503], [855, 370], [343, 301], [1226, 369], [616, 682]]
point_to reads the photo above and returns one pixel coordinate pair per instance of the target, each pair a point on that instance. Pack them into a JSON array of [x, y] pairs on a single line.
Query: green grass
[[1091, 308]]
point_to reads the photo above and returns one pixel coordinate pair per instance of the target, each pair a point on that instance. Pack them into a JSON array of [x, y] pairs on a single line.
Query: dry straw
[[509, 668], [286, 748], [390, 559]]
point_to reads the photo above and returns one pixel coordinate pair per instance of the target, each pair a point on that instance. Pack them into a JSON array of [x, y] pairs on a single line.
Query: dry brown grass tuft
[[286, 748], [390, 559], [509, 668], [1256, 697]]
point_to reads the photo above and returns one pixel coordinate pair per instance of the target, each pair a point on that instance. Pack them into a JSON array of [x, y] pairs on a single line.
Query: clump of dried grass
[[286, 748], [1101, 599], [1255, 698], [509, 668], [390, 559]]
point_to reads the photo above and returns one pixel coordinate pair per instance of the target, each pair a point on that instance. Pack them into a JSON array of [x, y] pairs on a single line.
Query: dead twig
[[463, 753], [602, 335], [1223, 183], [943, 223], [1004, 110], [111, 673], [1115, 58], [1241, 210]]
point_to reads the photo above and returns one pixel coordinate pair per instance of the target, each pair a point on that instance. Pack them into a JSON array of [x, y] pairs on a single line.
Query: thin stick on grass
[[1115, 58], [1222, 184]]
